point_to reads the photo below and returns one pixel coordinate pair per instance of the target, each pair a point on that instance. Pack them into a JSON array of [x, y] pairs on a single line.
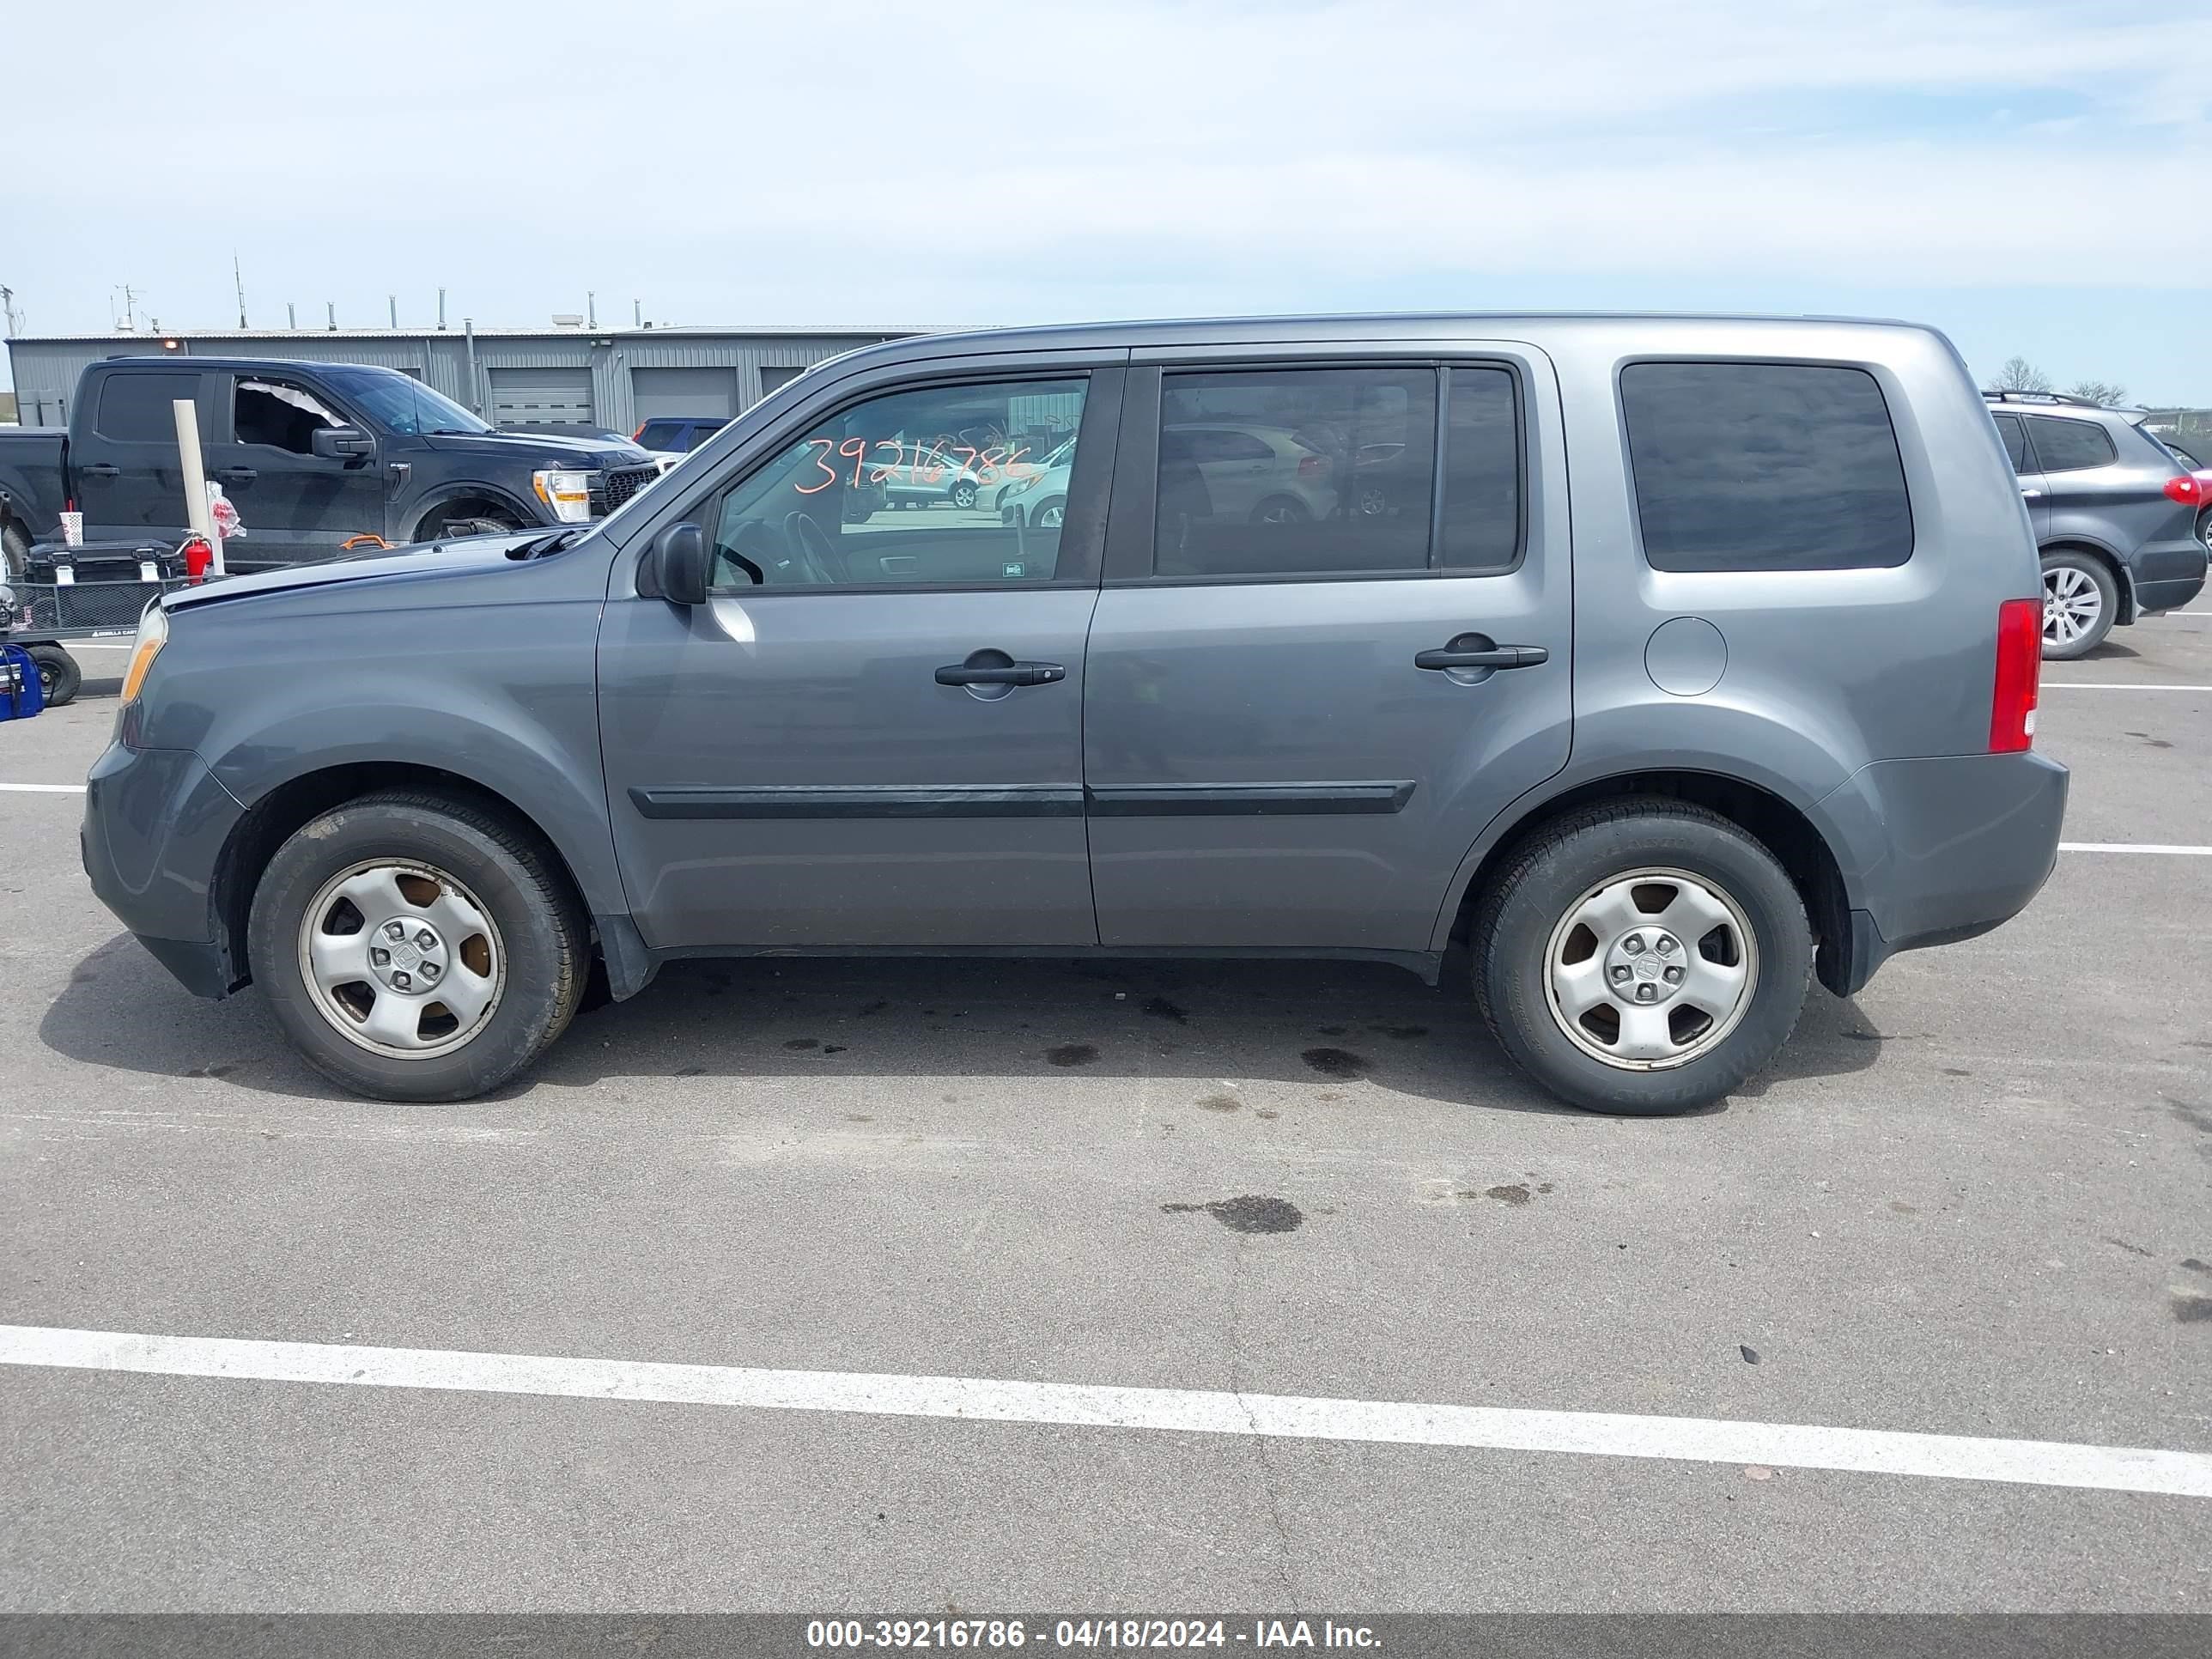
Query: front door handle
[[98, 470], [237, 475], [1011, 673], [2030, 493], [1495, 656]]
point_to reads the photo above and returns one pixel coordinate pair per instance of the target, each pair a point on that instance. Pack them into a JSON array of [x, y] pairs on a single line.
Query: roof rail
[[2042, 398]]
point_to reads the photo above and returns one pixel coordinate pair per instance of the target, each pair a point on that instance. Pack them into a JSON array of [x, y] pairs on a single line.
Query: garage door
[[539, 397], [683, 393]]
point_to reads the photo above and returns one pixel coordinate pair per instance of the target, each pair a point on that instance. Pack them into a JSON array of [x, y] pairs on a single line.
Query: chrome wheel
[[1651, 969], [1049, 515], [2072, 605], [402, 959]]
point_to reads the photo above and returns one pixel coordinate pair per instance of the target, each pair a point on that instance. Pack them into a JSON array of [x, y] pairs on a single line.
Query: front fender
[[501, 695]]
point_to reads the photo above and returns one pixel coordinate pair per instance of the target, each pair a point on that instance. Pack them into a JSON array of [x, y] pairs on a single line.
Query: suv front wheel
[[414, 947], [1642, 958], [2080, 603]]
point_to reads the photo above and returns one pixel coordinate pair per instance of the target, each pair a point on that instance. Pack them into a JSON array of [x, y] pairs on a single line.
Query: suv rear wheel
[[417, 948], [2079, 602], [1642, 958]]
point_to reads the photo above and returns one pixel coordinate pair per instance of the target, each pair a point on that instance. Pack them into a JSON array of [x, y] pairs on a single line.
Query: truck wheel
[[2080, 601], [417, 948], [1642, 958], [58, 674], [14, 548]]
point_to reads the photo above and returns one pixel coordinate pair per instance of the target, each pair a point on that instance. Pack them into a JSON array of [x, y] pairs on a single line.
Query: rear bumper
[[1963, 844], [155, 823], [2168, 575]]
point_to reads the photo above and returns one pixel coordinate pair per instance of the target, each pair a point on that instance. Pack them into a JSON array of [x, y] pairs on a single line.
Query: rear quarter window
[[1764, 466], [2065, 446]]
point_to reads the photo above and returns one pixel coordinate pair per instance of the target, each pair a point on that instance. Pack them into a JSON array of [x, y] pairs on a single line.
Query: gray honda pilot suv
[[1661, 663]]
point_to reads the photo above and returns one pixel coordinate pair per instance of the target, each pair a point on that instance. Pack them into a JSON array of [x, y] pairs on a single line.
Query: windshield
[[404, 405]]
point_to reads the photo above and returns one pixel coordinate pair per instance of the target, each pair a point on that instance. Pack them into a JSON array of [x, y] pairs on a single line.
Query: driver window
[[278, 417], [937, 484]]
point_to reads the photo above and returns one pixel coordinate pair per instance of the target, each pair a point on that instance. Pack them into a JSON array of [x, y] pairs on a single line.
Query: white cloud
[[880, 162]]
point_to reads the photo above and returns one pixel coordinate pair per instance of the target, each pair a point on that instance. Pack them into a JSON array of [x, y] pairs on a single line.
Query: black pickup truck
[[313, 455]]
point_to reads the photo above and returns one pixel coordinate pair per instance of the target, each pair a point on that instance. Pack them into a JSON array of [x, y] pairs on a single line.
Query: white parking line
[[2115, 685], [1191, 1411], [45, 788], [2150, 847]]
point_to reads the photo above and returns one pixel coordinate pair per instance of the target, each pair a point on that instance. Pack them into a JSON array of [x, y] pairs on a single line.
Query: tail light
[[2019, 676], [1313, 466], [2189, 489], [638, 434]]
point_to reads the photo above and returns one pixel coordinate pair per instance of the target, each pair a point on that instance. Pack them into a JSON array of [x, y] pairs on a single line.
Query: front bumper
[[155, 823], [1965, 843]]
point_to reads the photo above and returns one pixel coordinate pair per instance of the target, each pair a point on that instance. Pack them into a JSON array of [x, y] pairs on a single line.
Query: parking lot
[[1971, 1201]]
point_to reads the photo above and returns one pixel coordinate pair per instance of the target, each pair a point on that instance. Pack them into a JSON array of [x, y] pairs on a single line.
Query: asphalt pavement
[[1975, 1201]]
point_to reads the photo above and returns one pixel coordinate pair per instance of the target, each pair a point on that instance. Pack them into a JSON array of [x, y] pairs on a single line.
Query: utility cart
[[69, 594]]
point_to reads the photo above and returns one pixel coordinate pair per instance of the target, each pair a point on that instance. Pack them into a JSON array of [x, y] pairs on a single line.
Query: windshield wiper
[[543, 546]]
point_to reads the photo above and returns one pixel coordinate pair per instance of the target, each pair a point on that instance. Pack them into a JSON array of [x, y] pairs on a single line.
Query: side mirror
[[679, 565], [343, 443]]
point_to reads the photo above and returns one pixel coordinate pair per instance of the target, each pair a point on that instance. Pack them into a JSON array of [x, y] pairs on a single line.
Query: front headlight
[[153, 634], [567, 493]]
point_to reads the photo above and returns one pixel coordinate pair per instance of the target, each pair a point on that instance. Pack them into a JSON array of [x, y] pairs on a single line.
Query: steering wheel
[[812, 549]]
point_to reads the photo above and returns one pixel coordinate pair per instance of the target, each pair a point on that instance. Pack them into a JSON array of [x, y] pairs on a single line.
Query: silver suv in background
[[2116, 516], [1647, 666]]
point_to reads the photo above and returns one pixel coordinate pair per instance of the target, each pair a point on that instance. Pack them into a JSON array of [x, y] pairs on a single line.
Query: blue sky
[[2033, 177]]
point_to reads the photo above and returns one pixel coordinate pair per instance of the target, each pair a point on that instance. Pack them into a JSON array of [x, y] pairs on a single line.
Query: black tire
[[519, 882], [2204, 530], [14, 545], [1515, 918], [1282, 509], [964, 494], [2060, 568], [1056, 506], [58, 674]]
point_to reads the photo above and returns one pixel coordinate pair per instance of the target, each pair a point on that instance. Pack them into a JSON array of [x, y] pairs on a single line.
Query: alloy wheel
[[2071, 605]]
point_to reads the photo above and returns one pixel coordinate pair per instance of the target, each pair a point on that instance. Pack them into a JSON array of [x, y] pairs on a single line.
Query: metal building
[[611, 379]]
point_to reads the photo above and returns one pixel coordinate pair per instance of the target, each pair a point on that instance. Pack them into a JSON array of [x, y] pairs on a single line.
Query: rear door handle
[[100, 470], [1495, 656], [237, 475], [2030, 493], [1015, 673]]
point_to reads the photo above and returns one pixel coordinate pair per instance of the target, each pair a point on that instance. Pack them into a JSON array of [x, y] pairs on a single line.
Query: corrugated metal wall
[[45, 370]]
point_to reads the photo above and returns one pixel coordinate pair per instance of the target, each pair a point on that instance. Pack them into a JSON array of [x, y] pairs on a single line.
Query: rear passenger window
[[2071, 446], [1764, 466], [2015, 442], [1295, 472], [134, 407]]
